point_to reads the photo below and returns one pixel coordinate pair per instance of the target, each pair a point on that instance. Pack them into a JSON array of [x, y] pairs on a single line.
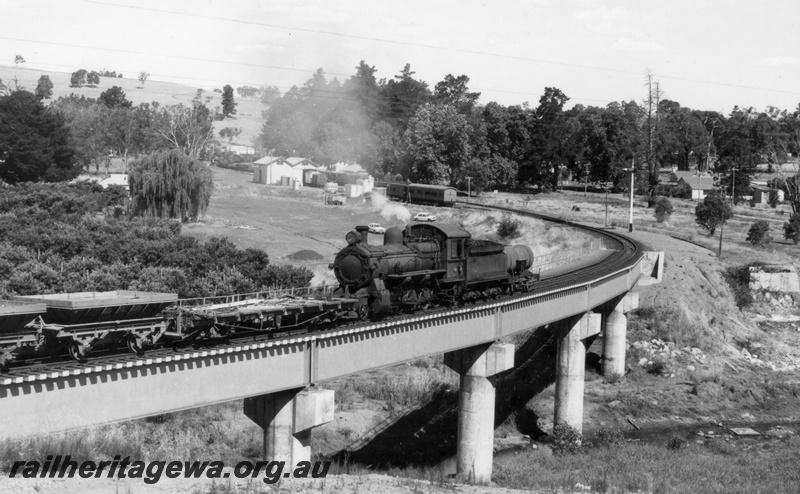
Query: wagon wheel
[[78, 351], [363, 312], [135, 344]]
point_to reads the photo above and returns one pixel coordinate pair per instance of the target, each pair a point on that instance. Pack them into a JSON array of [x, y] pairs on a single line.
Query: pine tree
[[228, 105]]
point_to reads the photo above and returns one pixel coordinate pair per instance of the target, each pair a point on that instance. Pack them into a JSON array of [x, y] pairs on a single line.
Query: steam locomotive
[[427, 264]]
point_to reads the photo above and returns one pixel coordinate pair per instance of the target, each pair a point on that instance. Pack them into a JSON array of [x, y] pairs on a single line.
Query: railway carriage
[[438, 195]]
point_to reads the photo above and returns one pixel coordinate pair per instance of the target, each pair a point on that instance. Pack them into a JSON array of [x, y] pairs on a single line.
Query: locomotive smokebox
[[518, 258]]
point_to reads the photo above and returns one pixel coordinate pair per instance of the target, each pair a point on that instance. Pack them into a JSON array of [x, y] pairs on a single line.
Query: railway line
[[621, 254]]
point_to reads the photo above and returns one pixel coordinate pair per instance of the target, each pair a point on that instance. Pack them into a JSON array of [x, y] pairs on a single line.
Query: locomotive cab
[[453, 242]]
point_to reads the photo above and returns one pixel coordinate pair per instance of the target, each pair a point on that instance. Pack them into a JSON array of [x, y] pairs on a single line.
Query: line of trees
[[403, 127]]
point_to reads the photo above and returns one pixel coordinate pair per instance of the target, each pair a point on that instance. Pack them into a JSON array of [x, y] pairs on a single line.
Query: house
[[702, 183], [276, 170]]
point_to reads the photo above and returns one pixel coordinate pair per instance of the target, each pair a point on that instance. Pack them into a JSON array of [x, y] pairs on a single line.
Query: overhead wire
[[429, 46]]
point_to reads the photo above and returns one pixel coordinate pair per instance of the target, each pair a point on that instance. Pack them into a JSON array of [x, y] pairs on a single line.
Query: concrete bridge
[[279, 379]]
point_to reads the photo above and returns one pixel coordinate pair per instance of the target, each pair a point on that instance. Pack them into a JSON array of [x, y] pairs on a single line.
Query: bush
[[566, 440], [712, 212], [663, 209], [759, 233], [738, 279], [791, 230], [508, 228], [773, 198]]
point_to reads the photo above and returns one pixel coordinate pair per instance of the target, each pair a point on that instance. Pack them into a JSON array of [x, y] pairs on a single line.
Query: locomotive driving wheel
[[363, 312]]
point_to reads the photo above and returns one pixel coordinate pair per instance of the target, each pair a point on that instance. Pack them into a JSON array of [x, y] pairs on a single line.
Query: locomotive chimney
[[364, 231]]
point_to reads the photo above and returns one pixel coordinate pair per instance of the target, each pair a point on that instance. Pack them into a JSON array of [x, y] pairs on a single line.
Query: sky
[[706, 55]]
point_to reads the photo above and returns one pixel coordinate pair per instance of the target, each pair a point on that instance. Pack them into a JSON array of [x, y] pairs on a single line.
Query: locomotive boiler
[[427, 264]]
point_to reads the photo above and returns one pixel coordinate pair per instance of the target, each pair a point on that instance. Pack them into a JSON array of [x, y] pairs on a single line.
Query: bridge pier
[[287, 418], [476, 405], [570, 367], [615, 332]]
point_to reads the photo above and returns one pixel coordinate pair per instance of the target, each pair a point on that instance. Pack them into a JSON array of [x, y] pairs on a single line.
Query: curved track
[[624, 254]]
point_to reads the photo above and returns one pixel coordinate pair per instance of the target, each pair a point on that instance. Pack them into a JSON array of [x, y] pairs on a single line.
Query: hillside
[[247, 118]]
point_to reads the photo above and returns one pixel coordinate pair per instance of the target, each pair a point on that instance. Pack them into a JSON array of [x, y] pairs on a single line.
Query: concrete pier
[[287, 418], [476, 405], [615, 332], [570, 367]]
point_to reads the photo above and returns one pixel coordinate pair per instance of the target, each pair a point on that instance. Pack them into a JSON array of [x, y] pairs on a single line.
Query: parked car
[[424, 217], [376, 228]]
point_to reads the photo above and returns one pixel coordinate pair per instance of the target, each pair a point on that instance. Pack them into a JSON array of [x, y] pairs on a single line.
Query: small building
[[761, 194], [272, 169], [702, 183]]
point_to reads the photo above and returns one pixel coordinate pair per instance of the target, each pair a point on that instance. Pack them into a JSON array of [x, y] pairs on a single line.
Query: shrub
[[773, 198], [663, 209], [739, 280], [759, 233], [712, 212], [566, 440], [609, 437], [791, 229], [508, 227]]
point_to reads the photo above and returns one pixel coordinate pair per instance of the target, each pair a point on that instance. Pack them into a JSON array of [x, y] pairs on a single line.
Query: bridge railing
[[561, 257]]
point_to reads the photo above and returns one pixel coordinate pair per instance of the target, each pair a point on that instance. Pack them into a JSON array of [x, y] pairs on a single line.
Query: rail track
[[623, 253]]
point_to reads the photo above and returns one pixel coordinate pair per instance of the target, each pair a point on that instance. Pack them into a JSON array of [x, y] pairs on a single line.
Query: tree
[[44, 88], [34, 141], [114, 97], [228, 105], [143, 77], [18, 59], [454, 91], [170, 184], [436, 144], [791, 229], [758, 235], [93, 79], [663, 209], [186, 128], [712, 212], [269, 94], [78, 78], [230, 133], [548, 129]]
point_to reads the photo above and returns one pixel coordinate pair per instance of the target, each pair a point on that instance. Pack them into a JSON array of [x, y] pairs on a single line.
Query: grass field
[[247, 118]]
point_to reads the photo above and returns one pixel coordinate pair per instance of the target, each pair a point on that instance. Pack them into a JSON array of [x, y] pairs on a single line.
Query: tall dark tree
[[228, 104], [78, 78], [114, 97], [402, 97], [170, 184], [34, 141], [44, 88], [436, 145], [454, 91], [548, 156]]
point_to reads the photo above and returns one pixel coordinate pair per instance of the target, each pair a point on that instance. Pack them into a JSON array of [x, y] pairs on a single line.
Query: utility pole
[[632, 169], [469, 187], [585, 179]]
